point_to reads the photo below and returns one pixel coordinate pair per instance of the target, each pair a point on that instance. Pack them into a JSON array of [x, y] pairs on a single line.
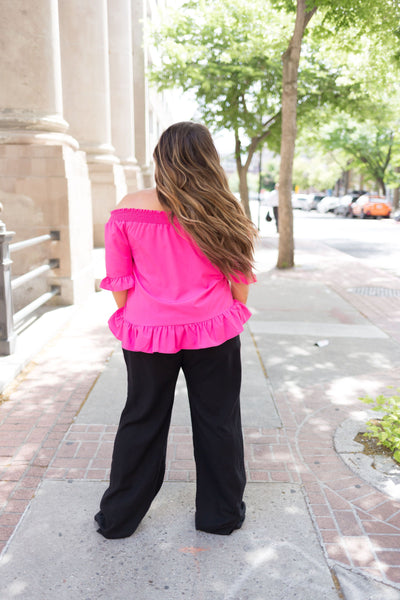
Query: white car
[[302, 201], [344, 208], [328, 204], [315, 199]]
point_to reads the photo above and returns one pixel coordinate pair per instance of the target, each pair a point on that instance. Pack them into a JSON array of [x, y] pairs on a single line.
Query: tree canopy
[[379, 18], [362, 135], [242, 63], [219, 50], [228, 53]]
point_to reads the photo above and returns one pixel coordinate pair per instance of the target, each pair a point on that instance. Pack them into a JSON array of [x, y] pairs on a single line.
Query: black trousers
[[213, 378]]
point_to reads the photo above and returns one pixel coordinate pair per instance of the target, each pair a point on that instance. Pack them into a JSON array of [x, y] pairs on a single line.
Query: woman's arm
[[120, 298], [240, 291]]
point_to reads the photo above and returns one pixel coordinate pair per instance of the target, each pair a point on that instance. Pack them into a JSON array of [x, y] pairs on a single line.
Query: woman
[[179, 260]]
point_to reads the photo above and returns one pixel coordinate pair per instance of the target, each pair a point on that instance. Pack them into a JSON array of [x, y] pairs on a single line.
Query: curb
[[383, 473]]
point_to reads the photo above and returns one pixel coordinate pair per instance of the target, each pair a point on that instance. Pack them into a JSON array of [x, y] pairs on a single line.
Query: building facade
[[77, 127]]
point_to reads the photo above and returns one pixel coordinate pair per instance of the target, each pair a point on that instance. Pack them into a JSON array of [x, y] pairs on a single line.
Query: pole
[[7, 334]]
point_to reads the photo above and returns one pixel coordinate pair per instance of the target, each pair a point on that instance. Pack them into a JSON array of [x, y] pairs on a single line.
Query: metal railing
[[9, 320]]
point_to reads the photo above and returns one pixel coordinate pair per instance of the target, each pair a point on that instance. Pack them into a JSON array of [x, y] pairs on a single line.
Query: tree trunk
[[396, 193], [396, 197], [290, 60], [381, 185], [346, 181], [243, 169], [242, 174], [244, 190]]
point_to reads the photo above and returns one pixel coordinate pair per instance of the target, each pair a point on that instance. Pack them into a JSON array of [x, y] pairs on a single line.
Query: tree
[[290, 60], [219, 50], [362, 136], [370, 146], [396, 193], [314, 169], [375, 16], [229, 53], [223, 53]]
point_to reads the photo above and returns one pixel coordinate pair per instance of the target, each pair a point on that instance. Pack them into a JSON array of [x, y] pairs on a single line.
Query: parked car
[[344, 208], [315, 199], [328, 204], [347, 201], [302, 201], [371, 205], [357, 193]]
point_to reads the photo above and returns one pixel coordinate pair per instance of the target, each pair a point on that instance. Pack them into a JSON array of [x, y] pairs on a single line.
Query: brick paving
[[355, 521], [38, 410], [358, 526], [85, 453]]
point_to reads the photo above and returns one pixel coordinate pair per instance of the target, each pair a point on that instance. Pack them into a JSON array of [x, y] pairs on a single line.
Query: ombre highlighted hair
[[192, 186]]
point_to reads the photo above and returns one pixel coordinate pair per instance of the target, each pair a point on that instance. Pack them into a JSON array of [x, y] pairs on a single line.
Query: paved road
[[376, 241]]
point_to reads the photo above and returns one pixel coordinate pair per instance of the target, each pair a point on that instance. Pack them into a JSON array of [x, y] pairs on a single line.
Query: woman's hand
[[120, 298], [240, 291]]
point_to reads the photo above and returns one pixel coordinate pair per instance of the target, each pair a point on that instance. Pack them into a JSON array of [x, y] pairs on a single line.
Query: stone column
[[121, 89], [39, 162], [141, 92], [30, 92], [86, 96]]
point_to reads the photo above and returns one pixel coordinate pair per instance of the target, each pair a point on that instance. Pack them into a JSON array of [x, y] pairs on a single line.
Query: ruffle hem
[[169, 339]]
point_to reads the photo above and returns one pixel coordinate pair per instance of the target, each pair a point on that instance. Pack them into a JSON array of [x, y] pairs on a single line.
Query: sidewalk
[[315, 528]]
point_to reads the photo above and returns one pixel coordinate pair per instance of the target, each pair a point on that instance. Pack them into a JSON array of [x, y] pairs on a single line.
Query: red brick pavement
[[355, 521], [38, 410], [358, 526]]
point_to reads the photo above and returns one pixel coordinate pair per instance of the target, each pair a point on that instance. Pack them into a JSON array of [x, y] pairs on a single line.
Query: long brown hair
[[192, 186]]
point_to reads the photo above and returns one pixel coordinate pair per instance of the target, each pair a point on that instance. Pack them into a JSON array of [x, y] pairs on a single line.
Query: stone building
[[77, 127]]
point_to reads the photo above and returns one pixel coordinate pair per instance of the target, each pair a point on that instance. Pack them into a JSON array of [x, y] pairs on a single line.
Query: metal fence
[[9, 321]]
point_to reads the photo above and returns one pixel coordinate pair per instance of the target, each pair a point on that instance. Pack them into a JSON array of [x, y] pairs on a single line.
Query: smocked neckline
[[142, 210], [140, 215]]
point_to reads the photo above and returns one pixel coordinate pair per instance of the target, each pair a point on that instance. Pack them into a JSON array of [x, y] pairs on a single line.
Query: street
[[375, 241]]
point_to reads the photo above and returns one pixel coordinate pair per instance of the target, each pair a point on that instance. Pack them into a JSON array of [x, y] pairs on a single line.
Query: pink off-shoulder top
[[177, 299]]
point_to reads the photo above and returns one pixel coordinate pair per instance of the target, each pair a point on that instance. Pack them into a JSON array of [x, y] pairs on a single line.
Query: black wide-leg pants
[[213, 378]]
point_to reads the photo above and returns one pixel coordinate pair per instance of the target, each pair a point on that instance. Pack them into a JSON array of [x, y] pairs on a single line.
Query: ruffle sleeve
[[118, 284], [119, 259]]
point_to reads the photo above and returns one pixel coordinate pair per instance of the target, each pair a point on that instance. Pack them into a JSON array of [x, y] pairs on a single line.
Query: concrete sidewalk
[[315, 529]]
